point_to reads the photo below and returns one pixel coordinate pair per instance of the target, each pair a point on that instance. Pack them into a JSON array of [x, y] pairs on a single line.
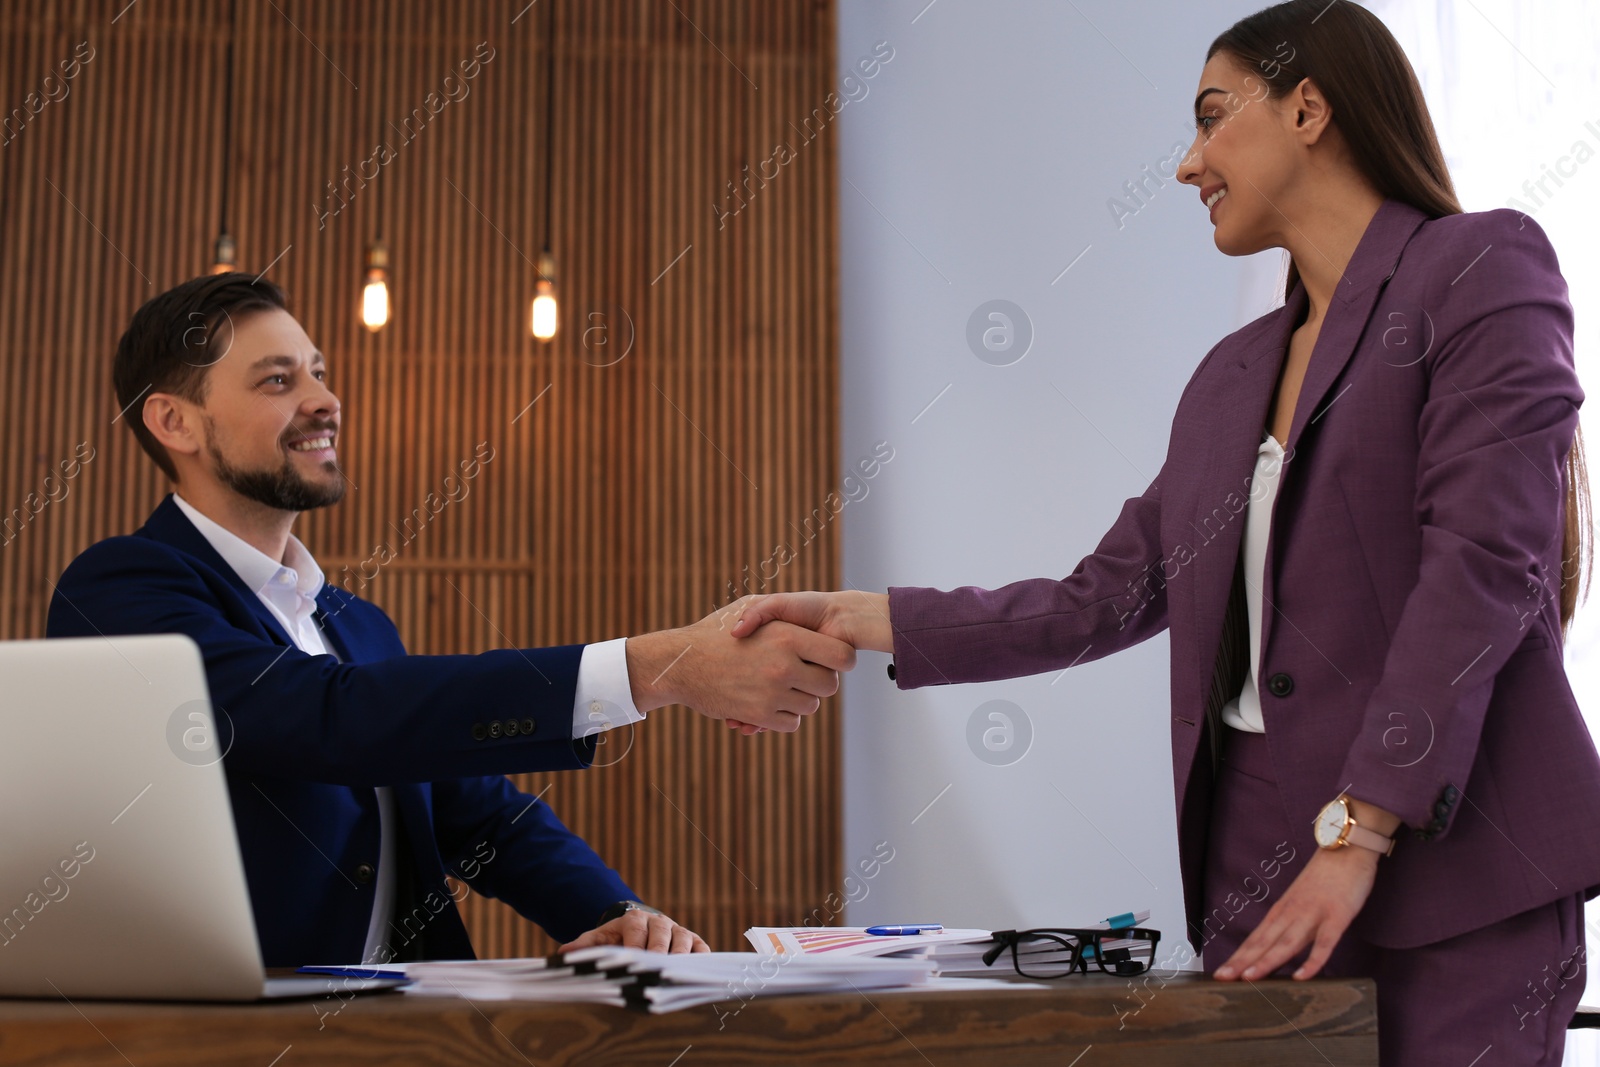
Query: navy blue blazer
[[307, 737]]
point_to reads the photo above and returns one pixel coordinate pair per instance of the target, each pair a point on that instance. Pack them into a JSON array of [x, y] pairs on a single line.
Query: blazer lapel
[[169, 525], [331, 602], [1374, 262], [1244, 390]]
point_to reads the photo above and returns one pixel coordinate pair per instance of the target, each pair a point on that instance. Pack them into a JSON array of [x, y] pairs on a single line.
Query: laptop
[[120, 872]]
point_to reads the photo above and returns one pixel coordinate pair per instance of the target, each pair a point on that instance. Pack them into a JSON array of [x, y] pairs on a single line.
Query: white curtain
[[1514, 89]]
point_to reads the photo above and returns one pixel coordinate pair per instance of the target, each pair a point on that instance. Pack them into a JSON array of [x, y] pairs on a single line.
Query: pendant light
[[375, 264], [375, 289], [224, 255], [542, 318]]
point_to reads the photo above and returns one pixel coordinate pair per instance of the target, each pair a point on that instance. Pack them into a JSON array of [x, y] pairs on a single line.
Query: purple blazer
[[1410, 648]]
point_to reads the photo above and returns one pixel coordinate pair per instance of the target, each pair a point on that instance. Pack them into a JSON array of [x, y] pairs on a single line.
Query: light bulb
[[543, 317], [222, 257], [375, 294], [375, 304]]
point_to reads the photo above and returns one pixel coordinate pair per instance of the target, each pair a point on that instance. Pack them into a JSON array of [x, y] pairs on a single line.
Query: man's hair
[[171, 343]]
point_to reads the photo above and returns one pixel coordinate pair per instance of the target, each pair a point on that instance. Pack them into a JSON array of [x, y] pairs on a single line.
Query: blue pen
[[352, 972], [909, 930]]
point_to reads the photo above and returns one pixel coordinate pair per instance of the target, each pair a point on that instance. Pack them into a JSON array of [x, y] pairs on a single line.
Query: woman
[[1357, 540]]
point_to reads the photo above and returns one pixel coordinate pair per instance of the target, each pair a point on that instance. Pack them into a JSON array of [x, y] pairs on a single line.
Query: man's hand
[[1316, 909], [859, 619], [640, 929], [856, 618], [768, 681]]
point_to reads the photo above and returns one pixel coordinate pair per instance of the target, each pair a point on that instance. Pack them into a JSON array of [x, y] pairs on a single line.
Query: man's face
[[271, 423]]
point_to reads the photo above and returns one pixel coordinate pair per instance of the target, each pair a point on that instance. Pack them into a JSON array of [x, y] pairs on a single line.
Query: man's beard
[[284, 488]]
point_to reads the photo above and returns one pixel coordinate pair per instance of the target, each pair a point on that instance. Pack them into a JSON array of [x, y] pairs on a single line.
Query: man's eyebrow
[[285, 361], [1203, 94]]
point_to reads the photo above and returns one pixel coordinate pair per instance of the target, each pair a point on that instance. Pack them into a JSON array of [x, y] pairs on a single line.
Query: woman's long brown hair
[[1353, 58]]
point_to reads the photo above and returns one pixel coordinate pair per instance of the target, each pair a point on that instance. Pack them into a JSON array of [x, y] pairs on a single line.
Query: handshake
[[762, 662]]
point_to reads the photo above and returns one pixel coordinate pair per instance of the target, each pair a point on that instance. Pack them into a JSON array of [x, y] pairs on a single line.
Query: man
[[360, 776]]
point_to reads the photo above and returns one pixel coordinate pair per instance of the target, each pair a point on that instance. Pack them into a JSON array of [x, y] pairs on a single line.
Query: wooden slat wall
[[627, 498]]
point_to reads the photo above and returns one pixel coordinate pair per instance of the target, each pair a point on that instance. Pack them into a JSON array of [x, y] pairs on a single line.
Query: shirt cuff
[[604, 698]]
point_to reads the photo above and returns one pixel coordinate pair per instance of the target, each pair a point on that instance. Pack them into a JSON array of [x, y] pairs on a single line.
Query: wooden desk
[[1190, 1021]]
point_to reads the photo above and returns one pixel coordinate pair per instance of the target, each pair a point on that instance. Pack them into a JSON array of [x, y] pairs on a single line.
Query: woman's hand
[[859, 619], [1316, 910]]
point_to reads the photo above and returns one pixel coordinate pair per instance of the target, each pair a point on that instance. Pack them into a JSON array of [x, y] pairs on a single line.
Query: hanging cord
[[227, 117], [549, 113], [227, 121], [377, 110]]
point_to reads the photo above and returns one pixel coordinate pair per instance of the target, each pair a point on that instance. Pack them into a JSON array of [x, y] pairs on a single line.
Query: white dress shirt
[[604, 697], [1243, 712]]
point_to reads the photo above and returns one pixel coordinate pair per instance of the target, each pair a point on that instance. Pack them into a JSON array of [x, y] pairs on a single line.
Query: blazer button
[[479, 731], [512, 727], [1450, 794], [527, 727], [1280, 684], [497, 728], [364, 873], [891, 672]]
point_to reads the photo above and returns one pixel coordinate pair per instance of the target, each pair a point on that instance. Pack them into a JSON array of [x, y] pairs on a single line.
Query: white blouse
[[1244, 711]]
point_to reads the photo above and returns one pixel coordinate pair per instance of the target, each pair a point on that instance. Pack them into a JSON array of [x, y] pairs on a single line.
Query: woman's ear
[[1312, 113]]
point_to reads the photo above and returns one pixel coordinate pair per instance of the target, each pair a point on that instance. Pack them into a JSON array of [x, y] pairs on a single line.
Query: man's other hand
[[641, 929]]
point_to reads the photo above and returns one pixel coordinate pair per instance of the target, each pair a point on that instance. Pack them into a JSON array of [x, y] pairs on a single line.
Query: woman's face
[[1244, 146]]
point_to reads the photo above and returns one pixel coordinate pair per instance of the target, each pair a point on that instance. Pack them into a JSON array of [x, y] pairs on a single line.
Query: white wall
[[977, 166]]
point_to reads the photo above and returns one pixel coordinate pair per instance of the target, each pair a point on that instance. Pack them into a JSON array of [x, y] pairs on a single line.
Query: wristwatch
[[622, 907], [1335, 827]]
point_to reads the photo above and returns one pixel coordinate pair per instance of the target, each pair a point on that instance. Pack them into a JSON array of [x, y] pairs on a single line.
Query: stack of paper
[[657, 982]]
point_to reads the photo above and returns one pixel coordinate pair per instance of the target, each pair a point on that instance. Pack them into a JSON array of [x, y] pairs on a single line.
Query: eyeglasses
[[1058, 952]]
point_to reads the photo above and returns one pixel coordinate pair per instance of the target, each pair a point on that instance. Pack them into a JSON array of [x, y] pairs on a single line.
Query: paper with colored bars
[[954, 952]]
